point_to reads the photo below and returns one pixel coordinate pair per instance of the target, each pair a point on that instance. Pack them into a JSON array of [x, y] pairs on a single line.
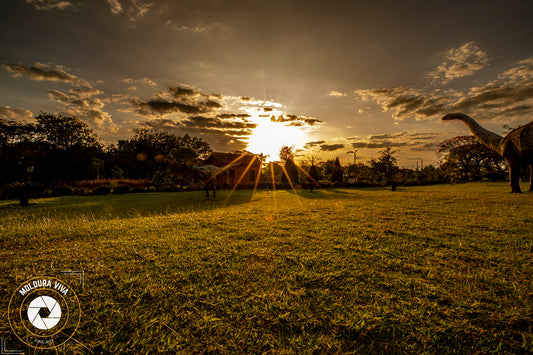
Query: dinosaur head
[[454, 116]]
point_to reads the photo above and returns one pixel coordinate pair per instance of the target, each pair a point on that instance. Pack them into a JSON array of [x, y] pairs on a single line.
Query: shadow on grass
[[128, 205], [331, 193]]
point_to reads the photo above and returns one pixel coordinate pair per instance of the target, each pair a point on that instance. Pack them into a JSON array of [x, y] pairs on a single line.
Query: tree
[[286, 154], [467, 158], [57, 148], [65, 132], [150, 152], [338, 174], [386, 166]]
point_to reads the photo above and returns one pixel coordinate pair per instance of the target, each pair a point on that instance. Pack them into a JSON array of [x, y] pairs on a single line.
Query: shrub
[[62, 190], [121, 189], [102, 190]]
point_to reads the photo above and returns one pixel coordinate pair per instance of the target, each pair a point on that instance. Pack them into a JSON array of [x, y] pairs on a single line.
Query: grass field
[[436, 269]]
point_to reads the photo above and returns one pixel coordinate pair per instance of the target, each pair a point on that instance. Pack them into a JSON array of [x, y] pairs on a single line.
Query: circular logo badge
[[44, 312]]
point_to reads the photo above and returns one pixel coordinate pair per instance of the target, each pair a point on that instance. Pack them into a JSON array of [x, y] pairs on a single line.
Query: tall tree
[[286, 154], [466, 157], [386, 165]]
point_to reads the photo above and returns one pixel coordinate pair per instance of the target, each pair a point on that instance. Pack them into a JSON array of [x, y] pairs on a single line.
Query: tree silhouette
[[286, 154], [466, 157]]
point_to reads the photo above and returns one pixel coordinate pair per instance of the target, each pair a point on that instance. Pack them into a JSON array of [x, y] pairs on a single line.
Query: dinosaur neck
[[488, 138]]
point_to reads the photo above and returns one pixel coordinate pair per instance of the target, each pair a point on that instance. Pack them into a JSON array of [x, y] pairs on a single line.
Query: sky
[[329, 77]]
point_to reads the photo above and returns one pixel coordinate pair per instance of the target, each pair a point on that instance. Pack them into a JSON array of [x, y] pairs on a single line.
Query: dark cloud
[[297, 121], [426, 147], [211, 122], [162, 107], [220, 136], [331, 147], [511, 95], [177, 99], [383, 144], [42, 72], [415, 141], [406, 102], [313, 144]]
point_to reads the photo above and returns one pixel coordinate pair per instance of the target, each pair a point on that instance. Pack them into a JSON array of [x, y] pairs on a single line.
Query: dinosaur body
[[516, 147]]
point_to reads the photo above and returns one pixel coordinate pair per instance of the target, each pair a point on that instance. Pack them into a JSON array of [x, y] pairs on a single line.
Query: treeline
[[56, 152], [464, 159], [59, 155]]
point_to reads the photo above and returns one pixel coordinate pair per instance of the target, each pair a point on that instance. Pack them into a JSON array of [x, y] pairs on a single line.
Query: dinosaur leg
[[514, 176], [207, 189], [530, 177], [214, 190]]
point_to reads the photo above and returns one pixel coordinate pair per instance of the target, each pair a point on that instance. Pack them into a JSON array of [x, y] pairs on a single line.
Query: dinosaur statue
[[208, 174], [516, 147]]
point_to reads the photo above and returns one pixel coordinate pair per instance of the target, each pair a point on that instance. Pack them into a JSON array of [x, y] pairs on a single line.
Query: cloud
[[221, 134], [407, 101], [375, 145], [115, 6], [336, 93], [309, 145], [460, 62], [16, 114], [50, 4], [331, 147], [43, 72], [219, 123], [80, 102], [145, 81], [178, 99], [413, 140], [510, 96], [296, 121], [133, 9]]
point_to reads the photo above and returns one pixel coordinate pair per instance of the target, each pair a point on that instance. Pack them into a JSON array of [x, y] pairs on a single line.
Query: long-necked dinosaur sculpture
[[516, 147]]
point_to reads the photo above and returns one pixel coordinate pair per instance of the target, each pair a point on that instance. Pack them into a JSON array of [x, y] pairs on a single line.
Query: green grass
[[437, 269]]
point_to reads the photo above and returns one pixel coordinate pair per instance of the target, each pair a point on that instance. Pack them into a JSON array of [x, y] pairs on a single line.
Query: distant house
[[233, 175]]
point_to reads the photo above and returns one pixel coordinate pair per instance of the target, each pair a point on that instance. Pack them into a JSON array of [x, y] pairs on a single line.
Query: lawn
[[436, 269]]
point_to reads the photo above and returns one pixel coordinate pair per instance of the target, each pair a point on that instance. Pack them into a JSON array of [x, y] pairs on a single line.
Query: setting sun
[[268, 137]]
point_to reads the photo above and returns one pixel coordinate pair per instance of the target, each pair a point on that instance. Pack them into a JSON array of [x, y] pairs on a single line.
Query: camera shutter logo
[[35, 307], [44, 312]]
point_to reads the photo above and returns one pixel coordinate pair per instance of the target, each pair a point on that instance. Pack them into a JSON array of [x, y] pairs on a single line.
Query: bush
[[102, 190], [121, 189], [62, 190]]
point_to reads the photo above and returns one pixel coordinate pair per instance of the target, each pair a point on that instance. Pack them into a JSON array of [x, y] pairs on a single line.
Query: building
[[237, 173]]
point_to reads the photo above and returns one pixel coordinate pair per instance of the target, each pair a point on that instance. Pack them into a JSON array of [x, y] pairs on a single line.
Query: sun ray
[[226, 167], [240, 179], [292, 186], [258, 175], [307, 174]]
